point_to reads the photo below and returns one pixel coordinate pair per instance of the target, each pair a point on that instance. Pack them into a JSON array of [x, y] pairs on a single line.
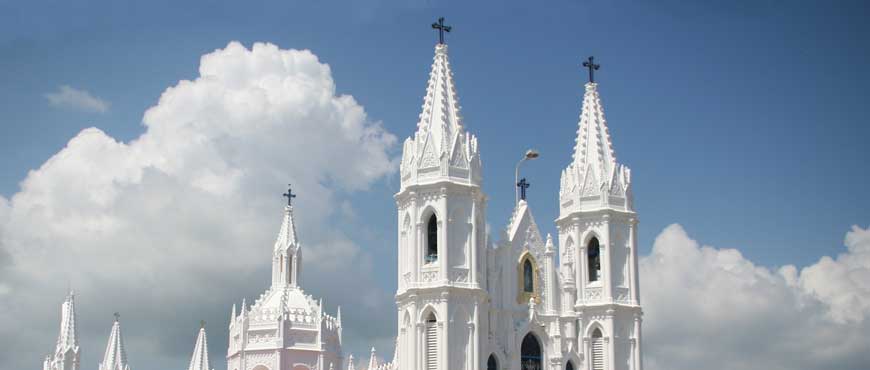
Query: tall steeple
[[66, 354], [594, 175], [199, 360], [115, 357], [441, 147], [286, 257]]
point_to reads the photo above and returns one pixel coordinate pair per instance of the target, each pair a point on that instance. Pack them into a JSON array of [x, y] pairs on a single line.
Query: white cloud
[[714, 309], [69, 97], [177, 224]]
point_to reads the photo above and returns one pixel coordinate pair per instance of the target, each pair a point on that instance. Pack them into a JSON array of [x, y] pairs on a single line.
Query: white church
[[464, 301]]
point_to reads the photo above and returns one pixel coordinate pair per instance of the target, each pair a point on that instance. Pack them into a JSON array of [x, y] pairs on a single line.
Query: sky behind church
[[743, 121]]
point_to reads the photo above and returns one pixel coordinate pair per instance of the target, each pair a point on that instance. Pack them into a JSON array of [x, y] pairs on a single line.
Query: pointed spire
[[199, 360], [233, 314], [115, 357], [594, 148], [287, 233], [373, 360], [440, 118], [338, 316], [350, 365], [68, 337], [549, 248]]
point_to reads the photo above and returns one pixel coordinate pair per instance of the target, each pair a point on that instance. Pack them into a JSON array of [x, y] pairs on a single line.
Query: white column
[[443, 258], [610, 341], [606, 265], [473, 251], [638, 355], [635, 281]]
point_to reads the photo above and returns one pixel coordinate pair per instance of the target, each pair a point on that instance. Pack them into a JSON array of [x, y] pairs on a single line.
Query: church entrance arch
[[531, 357]]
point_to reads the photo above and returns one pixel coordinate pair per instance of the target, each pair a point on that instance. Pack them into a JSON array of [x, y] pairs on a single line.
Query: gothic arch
[[587, 237], [492, 362], [527, 264], [431, 243], [426, 311], [427, 212], [531, 352], [592, 327]]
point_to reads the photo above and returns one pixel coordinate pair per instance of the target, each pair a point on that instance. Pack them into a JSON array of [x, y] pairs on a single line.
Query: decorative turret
[[199, 360], [441, 147], [287, 255], [66, 354], [115, 357], [594, 179]]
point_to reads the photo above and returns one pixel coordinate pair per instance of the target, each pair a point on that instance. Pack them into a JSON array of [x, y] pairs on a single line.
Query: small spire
[[233, 314], [199, 360], [115, 357], [350, 365], [373, 360], [338, 316]]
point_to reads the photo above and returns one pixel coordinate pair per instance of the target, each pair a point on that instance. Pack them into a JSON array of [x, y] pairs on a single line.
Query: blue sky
[[743, 121]]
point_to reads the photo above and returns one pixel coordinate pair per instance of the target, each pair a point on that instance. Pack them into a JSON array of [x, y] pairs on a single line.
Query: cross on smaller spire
[[202, 324], [589, 64], [289, 195], [117, 317], [441, 27], [523, 185]]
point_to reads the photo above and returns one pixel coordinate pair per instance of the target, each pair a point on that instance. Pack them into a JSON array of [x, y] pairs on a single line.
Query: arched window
[[569, 366], [530, 353], [528, 277], [491, 363], [431, 343], [432, 239], [594, 260], [597, 350]]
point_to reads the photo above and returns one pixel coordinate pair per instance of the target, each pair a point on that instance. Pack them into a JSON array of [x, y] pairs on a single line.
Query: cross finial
[[523, 185], [289, 195], [441, 27], [117, 317], [202, 324], [592, 67]]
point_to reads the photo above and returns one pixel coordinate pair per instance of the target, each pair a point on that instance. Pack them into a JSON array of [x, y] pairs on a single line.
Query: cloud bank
[[708, 308], [69, 97], [178, 224]]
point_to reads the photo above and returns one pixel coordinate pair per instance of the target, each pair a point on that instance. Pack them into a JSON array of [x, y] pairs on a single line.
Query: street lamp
[[530, 154]]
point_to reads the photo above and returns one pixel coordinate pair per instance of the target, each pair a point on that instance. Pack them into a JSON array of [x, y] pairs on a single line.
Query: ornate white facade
[[463, 301], [466, 303], [285, 329]]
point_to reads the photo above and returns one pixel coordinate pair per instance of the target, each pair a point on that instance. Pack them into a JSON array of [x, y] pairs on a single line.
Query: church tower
[[598, 231], [66, 354], [441, 234]]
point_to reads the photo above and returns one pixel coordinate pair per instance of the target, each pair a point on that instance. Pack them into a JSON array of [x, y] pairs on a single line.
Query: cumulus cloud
[[175, 225], [714, 309], [69, 97]]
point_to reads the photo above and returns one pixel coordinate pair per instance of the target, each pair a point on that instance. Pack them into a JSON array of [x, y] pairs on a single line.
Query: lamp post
[[530, 154]]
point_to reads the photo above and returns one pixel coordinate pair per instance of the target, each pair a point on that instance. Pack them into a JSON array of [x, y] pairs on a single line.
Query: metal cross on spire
[[589, 64], [441, 27], [117, 317], [523, 185], [289, 195]]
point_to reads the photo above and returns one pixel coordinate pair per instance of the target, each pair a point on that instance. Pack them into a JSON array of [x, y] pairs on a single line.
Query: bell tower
[[598, 228], [441, 210]]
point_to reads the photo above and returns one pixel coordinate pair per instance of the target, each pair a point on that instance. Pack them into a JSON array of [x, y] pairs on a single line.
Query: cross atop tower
[[523, 185], [289, 195], [591, 66], [117, 317], [441, 27]]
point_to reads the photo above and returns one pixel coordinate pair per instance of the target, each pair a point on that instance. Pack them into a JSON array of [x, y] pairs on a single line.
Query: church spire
[[115, 357], [594, 172], [66, 352], [593, 145], [441, 143], [68, 337], [199, 360], [287, 233]]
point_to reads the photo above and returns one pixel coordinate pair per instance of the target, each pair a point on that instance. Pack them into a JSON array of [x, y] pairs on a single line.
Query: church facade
[[466, 299], [523, 302]]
